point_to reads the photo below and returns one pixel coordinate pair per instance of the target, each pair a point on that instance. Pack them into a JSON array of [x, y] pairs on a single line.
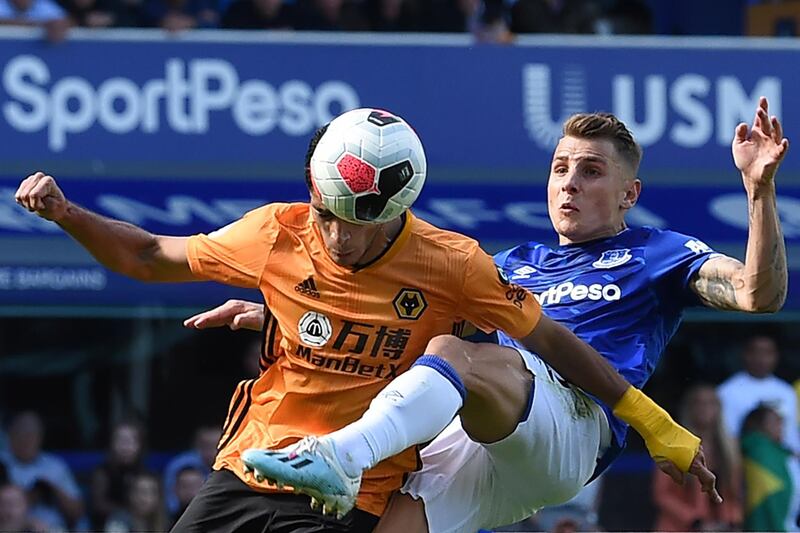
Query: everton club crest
[[613, 258]]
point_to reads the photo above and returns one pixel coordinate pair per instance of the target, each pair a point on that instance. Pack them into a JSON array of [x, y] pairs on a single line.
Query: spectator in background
[[756, 384], [14, 511], [42, 13], [258, 15], [188, 483], [330, 15], [554, 16], [625, 17], [394, 15], [768, 483], [55, 497], [180, 15], [449, 16], [685, 507], [128, 13], [90, 13], [3, 438], [144, 510], [200, 457], [491, 23], [111, 480]]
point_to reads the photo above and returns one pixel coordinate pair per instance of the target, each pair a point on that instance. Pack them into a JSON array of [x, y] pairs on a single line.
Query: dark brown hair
[[312, 145], [609, 127]]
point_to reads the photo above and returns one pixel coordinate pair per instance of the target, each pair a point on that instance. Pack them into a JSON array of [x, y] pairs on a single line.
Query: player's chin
[[345, 259], [570, 229]]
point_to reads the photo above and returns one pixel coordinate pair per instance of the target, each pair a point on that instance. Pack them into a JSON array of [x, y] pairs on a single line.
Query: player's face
[[589, 190], [348, 244]]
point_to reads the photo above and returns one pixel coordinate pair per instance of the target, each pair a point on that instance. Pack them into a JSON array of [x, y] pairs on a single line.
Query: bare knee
[[497, 383], [457, 352]]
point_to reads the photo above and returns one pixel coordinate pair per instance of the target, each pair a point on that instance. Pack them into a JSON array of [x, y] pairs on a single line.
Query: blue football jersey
[[623, 295]]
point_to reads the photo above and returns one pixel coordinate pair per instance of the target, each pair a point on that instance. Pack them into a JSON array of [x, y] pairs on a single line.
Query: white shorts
[[467, 486]]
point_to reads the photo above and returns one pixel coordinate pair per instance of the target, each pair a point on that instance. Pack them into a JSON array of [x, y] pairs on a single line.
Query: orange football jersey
[[335, 336]]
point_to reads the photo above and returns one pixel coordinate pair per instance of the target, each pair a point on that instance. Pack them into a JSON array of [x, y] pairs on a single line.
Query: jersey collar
[[388, 253], [394, 247]]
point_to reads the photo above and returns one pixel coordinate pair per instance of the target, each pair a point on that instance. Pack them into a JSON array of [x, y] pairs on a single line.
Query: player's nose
[[570, 182], [339, 231]]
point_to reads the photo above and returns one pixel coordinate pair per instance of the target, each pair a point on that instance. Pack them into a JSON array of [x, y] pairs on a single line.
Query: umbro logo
[[307, 287]]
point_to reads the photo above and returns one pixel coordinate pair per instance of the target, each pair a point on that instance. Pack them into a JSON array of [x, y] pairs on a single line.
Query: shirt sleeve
[[46, 10], [235, 254], [672, 259], [492, 303], [6, 13], [59, 474]]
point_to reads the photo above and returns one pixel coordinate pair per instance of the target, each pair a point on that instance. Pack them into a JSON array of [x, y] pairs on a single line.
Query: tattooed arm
[[760, 284]]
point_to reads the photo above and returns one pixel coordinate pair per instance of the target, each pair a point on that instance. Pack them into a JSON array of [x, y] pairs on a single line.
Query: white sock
[[412, 409]]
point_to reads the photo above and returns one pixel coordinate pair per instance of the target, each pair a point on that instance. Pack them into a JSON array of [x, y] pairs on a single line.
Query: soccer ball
[[369, 166]]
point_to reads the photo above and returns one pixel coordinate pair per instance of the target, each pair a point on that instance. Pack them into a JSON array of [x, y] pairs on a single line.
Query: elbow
[[760, 305], [144, 266], [768, 309]]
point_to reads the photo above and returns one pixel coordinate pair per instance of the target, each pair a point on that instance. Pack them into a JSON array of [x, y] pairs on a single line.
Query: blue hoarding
[[182, 135], [38, 265], [140, 99]]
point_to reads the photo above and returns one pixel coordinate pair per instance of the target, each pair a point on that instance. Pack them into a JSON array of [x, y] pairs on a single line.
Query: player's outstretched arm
[[760, 284], [120, 246], [575, 360], [583, 366], [236, 314]]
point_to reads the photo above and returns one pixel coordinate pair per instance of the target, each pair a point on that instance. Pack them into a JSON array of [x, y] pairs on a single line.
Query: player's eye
[[324, 214], [593, 172], [560, 169]]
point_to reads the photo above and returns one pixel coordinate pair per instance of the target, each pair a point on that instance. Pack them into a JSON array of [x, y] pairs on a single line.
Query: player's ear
[[633, 189]]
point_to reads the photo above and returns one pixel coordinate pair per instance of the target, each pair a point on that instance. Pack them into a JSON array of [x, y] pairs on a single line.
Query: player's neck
[[383, 241], [564, 240]]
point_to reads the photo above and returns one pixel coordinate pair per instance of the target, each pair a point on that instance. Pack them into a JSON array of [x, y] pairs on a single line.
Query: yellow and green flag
[[768, 485]]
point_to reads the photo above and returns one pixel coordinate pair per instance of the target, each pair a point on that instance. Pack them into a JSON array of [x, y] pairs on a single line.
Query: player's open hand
[[40, 194], [707, 479], [236, 314], [759, 150]]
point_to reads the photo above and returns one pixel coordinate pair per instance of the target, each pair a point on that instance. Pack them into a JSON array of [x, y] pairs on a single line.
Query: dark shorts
[[225, 503]]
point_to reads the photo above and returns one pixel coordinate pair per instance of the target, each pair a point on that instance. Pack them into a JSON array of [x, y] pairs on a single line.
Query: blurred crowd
[[40, 492], [748, 425], [493, 20], [751, 439], [520, 16]]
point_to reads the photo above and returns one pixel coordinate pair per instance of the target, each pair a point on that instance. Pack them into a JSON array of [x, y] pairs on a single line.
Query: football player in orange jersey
[[352, 307]]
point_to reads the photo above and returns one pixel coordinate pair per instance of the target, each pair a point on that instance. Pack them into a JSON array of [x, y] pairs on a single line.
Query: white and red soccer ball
[[369, 166]]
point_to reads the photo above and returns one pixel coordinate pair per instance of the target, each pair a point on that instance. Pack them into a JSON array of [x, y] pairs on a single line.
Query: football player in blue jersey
[[525, 437]]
